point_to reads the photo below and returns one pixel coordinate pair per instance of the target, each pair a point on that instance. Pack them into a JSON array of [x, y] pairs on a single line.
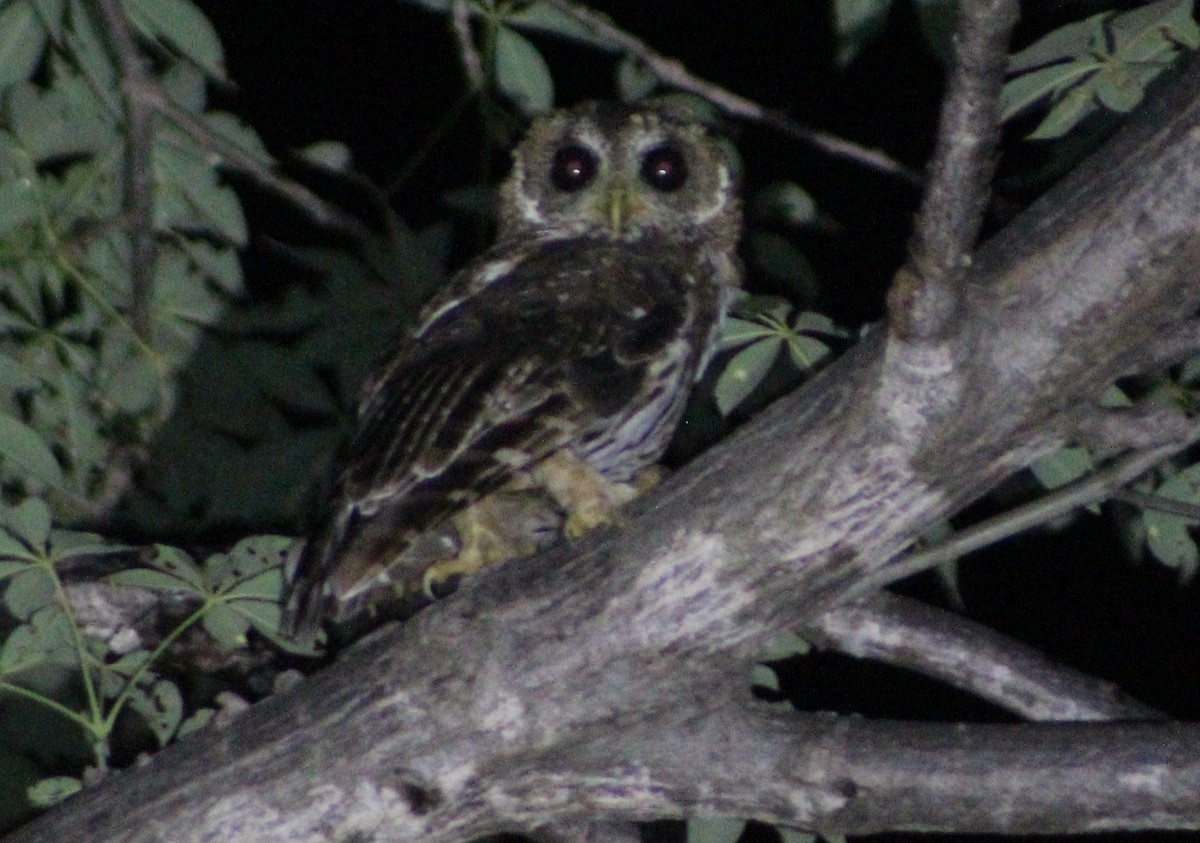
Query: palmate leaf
[[1106, 60]]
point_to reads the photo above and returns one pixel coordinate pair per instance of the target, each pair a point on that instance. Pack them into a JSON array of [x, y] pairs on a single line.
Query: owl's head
[[621, 173]]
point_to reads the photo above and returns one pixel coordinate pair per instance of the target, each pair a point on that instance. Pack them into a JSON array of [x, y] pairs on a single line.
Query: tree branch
[[139, 166], [924, 300], [906, 633], [673, 73]]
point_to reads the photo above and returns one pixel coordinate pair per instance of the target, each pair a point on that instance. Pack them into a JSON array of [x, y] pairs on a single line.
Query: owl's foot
[[589, 499], [504, 525]]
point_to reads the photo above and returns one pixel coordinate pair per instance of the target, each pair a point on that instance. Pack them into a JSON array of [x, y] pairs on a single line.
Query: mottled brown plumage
[[550, 375]]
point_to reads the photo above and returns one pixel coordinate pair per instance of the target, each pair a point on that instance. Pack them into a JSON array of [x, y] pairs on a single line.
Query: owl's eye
[[664, 168], [573, 167]]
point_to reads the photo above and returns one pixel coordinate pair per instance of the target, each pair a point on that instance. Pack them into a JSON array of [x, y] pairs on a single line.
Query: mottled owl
[[536, 394]]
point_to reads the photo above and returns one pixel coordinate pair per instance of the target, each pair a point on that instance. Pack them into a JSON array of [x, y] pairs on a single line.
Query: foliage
[[49, 649], [1103, 62]]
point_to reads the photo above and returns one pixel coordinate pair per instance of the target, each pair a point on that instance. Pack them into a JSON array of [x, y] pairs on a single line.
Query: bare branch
[[239, 160], [906, 633], [139, 167], [924, 300], [1094, 488], [460, 19], [676, 75], [860, 777]]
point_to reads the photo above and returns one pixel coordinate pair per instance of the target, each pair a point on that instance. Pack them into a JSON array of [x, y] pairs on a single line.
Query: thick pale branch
[[821, 773]]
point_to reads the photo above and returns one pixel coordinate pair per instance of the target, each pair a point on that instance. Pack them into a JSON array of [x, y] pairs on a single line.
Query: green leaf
[[151, 579], [1118, 90], [23, 36], [807, 352], [786, 646], [50, 791], [1069, 41], [174, 561], [762, 676], [522, 74], [51, 12], [29, 521], [263, 615], [27, 592], [857, 23], [44, 640], [185, 86], [182, 26], [22, 449], [544, 18], [219, 264], [197, 721], [1066, 114], [8, 547], [18, 203], [226, 625], [1061, 467], [1027, 89], [715, 830], [735, 332], [1169, 541], [15, 375], [238, 133], [88, 50], [248, 561], [1167, 536], [787, 201], [744, 372], [635, 79], [161, 708]]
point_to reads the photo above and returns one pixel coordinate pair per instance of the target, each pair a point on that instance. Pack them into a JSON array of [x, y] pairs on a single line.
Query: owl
[[536, 394]]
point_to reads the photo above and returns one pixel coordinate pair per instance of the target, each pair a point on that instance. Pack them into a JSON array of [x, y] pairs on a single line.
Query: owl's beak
[[620, 206]]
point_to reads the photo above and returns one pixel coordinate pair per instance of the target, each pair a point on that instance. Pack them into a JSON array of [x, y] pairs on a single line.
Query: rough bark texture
[[609, 678]]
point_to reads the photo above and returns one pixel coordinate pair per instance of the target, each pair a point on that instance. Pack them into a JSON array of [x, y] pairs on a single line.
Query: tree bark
[[608, 678]]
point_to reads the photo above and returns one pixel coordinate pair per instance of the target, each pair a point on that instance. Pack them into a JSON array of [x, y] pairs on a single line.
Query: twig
[[924, 299], [1158, 503], [317, 209], [674, 73], [907, 633], [139, 168], [1092, 489], [460, 21]]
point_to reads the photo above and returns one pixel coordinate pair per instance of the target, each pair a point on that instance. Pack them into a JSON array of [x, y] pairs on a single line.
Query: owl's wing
[[490, 383]]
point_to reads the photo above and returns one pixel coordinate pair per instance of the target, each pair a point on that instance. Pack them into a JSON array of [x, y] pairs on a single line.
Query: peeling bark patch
[[503, 715], [687, 592], [1150, 779], [863, 514]]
